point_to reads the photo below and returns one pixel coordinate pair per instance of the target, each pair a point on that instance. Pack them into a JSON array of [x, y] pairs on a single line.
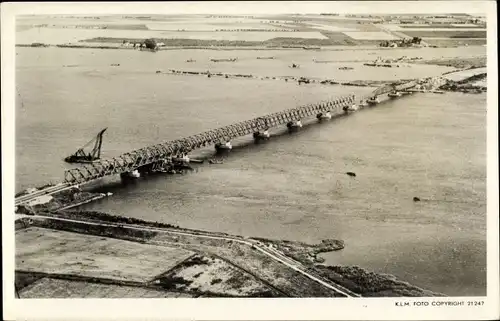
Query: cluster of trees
[[148, 43], [402, 43]]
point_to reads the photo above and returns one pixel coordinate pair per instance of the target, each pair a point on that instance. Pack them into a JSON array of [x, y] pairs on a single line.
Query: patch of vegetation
[[265, 294], [107, 231], [173, 282], [371, 284], [333, 38], [460, 63], [237, 280], [304, 252], [192, 261], [466, 85], [215, 281], [23, 279]]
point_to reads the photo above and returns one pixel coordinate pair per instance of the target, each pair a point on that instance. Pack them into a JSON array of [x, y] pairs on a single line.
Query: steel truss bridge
[[150, 155], [162, 152]]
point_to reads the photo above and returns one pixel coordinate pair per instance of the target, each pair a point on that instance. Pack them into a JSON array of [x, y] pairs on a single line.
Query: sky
[[252, 7]]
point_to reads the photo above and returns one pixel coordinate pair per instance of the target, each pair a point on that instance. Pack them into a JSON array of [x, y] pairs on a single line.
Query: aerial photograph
[[324, 155]]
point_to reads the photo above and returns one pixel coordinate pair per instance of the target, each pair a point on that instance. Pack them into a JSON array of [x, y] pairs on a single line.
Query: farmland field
[[448, 27], [53, 251], [55, 288], [329, 27], [447, 34], [447, 42], [437, 29], [61, 36], [360, 35], [216, 275]]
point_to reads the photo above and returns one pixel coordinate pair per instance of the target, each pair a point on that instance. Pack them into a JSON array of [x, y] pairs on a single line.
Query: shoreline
[[351, 280]]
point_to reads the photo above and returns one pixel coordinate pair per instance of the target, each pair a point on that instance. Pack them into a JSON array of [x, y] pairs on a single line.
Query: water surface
[[292, 187]]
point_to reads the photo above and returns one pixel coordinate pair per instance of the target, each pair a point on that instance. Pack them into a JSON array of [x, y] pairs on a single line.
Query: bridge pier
[[261, 135], [373, 100], [227, 146], [394, 94], [132, 174], [326, 115], [294, 125]]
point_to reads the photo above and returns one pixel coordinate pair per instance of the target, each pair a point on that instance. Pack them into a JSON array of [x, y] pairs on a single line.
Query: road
[[46, 191], [271, 253]]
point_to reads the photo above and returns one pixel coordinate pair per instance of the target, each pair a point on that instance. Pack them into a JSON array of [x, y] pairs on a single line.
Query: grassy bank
[[333, 39], [370, 284], [459, 63]]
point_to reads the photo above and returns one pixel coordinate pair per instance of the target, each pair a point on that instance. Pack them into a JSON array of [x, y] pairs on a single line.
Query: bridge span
[[165, 152], [134, 160]]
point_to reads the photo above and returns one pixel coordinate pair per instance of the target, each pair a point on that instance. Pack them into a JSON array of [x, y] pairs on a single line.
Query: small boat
[[216, 161], [373, 101], [190, 60], [223, 60], [80, 156], [394, 94]]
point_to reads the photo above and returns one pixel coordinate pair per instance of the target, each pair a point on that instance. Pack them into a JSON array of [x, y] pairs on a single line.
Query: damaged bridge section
[[162, 152]]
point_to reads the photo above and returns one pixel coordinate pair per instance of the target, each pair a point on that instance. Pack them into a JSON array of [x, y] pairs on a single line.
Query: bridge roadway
[[134, 160]]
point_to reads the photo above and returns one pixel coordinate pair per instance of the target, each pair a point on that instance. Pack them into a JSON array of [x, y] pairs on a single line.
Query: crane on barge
[[80, 156]]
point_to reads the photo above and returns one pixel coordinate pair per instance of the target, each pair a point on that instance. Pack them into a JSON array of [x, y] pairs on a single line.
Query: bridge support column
[[294, 125], [227, 146], [261, 135], [326, 115], [184, 159], [133, 174]]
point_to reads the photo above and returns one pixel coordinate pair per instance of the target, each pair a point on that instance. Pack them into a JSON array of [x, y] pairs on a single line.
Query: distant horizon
[[253, 8]]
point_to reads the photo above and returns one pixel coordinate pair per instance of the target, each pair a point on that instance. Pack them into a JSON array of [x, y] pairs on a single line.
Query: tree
[[150, 43]]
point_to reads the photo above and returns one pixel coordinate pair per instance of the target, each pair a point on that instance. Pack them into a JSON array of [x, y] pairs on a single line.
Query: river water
[[291, 187]]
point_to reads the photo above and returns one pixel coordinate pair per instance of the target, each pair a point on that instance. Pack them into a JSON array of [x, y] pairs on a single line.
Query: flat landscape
[[340, 199], [249, 31]]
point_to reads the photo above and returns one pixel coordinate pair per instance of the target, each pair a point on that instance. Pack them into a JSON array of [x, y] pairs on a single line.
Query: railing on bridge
[[149, 155]]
